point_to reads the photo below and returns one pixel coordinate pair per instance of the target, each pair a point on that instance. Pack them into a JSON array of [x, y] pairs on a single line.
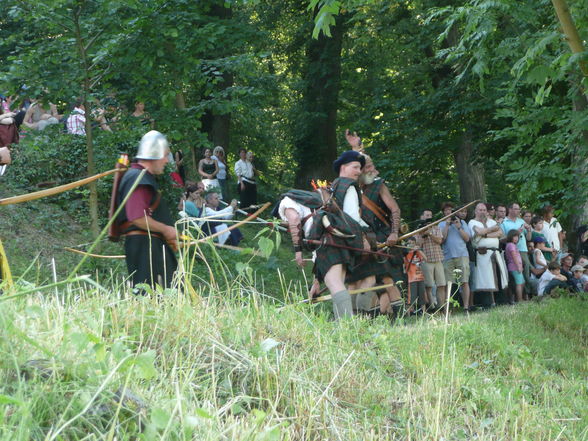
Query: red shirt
[[139, 202]]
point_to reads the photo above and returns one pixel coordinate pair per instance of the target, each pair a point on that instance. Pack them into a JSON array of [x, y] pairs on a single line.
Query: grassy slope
[[225, 363], [233, 366]]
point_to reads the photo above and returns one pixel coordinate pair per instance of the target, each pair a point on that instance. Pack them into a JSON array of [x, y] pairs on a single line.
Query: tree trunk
[[217, 126], [570, 31], [86, 86], [580, 158], [469, 171], [316, 139]]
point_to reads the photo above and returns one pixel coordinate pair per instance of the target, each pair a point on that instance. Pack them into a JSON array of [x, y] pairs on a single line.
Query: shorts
[[434, 274], [457, 263], [518, 277]]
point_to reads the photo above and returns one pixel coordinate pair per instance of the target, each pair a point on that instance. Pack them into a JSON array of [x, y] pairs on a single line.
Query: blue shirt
[[454, 245], [191, 209], [508, 225]]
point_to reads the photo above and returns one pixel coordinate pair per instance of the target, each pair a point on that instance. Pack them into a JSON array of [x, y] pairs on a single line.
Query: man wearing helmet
[[146, 222]]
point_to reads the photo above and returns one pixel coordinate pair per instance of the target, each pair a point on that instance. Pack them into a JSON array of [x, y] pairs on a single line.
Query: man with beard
[[381, 212]]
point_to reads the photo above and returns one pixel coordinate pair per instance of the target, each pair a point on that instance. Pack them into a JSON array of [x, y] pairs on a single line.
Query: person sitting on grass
[[576, 280], [232, 237], [552, 278]]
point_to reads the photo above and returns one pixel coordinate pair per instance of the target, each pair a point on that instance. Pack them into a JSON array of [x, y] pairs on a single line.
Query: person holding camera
[[430, 242], [456, 261]]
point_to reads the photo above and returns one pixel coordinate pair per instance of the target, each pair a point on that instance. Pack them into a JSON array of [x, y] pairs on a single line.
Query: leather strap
[[380, 214], [127, 224]]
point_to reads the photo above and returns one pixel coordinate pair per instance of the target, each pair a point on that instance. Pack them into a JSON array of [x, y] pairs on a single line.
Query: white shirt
[[222, 168], [546, 277], [244, 169], [76, 122], [551, 231], [225, 213], [351, 206], [477, 239], [302, 211]]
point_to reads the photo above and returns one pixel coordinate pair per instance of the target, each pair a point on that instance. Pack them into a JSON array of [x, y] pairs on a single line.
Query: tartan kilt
[[327, 256], [368, 265]]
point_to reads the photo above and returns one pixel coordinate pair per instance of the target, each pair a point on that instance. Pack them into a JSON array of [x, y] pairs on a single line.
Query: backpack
[[312, 199]]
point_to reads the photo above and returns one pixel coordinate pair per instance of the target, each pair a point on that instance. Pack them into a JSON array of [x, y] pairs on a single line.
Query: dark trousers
[[247, 196], [150, 261]]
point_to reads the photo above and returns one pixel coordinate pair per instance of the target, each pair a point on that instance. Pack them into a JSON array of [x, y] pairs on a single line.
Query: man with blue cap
[[332, 263]]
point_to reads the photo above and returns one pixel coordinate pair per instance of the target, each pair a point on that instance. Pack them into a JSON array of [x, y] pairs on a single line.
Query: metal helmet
[[153, 145]]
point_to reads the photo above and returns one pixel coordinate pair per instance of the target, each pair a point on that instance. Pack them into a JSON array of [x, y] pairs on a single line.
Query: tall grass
[[222, 360]]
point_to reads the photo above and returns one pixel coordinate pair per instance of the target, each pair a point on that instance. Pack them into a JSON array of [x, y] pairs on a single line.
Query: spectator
[[552, 229], [430, 242], [37, 118], [76, 122], [456, 261], [8, 129], [583, 262], [142, 115], [538, 266], [208, 169], [491, 211], [514, 222], [426, 216], [552, 278], [582, 234], [576, 281], [413, 263], [194, 202], [211, 210], [490, 270], [218, 154], [246, 185], [544, 246], [180, 168], [500, 213], [527, 216], [515, 262]]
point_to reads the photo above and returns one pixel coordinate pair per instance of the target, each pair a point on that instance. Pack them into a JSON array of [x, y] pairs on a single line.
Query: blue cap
[[346, 158]]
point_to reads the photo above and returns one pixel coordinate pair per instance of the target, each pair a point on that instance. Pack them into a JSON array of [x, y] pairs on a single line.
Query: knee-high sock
[[342, 306]]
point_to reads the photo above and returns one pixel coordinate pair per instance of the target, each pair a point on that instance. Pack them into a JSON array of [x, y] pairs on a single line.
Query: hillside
[[237, 358]]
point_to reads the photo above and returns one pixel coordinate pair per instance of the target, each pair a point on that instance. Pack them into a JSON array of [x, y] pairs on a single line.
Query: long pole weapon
[[345, 247], [238, 210], [352, 292], [232, 227], [432, 224], [56, 190]]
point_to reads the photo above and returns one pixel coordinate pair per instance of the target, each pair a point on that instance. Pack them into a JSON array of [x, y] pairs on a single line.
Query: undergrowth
[[91, 362]]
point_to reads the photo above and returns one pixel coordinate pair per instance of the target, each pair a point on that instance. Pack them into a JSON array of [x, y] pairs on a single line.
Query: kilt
[[327, 256], [368, 265]]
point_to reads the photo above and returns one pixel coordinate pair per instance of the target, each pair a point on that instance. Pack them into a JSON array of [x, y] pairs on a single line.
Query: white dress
[[485, 276]]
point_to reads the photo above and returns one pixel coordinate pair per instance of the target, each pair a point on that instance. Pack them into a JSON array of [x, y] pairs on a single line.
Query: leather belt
[[144, 233]]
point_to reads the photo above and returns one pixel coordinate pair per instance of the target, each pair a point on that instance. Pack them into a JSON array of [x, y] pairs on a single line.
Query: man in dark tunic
[[146, 222]]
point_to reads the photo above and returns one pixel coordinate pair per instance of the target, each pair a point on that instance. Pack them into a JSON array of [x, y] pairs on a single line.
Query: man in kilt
[[381, 212], [345, 227]]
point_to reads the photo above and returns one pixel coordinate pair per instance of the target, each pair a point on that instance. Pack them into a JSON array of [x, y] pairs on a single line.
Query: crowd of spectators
[[499, 256]]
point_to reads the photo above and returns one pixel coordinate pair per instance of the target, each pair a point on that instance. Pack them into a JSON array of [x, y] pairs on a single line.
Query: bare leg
[[519, 290], [465, 296], [441, 296]]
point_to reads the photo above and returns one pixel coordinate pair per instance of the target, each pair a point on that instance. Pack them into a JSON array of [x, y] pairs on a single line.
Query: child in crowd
[[514, 263], [544, 246], [552, 278], [416, 279], [576, 280]]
